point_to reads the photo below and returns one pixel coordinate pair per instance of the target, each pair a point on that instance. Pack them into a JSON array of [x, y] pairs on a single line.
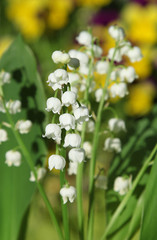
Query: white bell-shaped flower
[[116, 56], [90, 125], [122, 185], [112, 144], [128, 74], [82, 57], [116, 32], [116, 125], [53, 131], [73, 77], [87, 146], [73, 166], [84, 69], [40, 174], [134, 54], [57, 79], [14, 106], [114, 75], [68, 193], [67, 121], [23, 126], [102, 67], [98, 94], [13, 158], [97, 50], [84, 38], [75, 90], [54, 105], [76, 155], [72, 140], [68, 98], [56, 56], [3, 136], [81, 114], [5, 77], [125, 47], [56, 161], [60, 57], [118, 89]]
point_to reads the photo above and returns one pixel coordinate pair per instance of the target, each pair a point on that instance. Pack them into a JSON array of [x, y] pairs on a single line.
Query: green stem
[[127, 197], [94, 154], [64, 206], [31, 165], [79, 176]]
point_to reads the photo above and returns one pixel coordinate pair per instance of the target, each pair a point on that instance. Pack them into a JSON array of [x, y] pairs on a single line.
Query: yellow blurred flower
[[141, 22], [93, 3], [32, 17], [59, 11], [140, 99], [4, 44], [143, 68], [25, 15]]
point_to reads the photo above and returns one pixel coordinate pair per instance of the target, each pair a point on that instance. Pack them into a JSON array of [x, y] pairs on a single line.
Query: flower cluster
[[68, 113], [13, 157]]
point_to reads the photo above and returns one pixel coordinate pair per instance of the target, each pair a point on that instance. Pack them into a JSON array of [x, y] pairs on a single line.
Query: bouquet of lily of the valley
[[85, 131]]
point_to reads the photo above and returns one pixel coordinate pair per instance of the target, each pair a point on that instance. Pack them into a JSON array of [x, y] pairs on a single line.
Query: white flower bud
[[81, 114], [119, 90], [84, 38], [68, 98], [102, 67], [65, 59], [87, 146], [72, 140], [90, 125], [75, 90], [125, 47], [97, 51], [73, 63], [134, 54], [40, 174], [116, 125], [56, 161], [122, 185], [14, 106], [117, 56], [114, 75], [98, 94], [67, 121], [116, 32], [68, 193], [3, 136], [128, 74], [112, 144], [13, 158], [57, 79], [73, 166], [84, 69], [23, 126], [4, 77], [76, 155], [60, 57], [53, 131], [56, 56], [54, 105]]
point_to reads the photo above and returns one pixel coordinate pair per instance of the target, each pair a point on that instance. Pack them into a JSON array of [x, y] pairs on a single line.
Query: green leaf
[[16, 190], [148, 228]]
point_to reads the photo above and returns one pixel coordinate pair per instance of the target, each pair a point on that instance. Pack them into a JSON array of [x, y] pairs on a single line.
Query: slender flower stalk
[[31, 165], [127, 197], [79, 176]]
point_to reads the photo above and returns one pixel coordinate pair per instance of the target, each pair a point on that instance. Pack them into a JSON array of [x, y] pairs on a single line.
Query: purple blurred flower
[[103, 17]]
